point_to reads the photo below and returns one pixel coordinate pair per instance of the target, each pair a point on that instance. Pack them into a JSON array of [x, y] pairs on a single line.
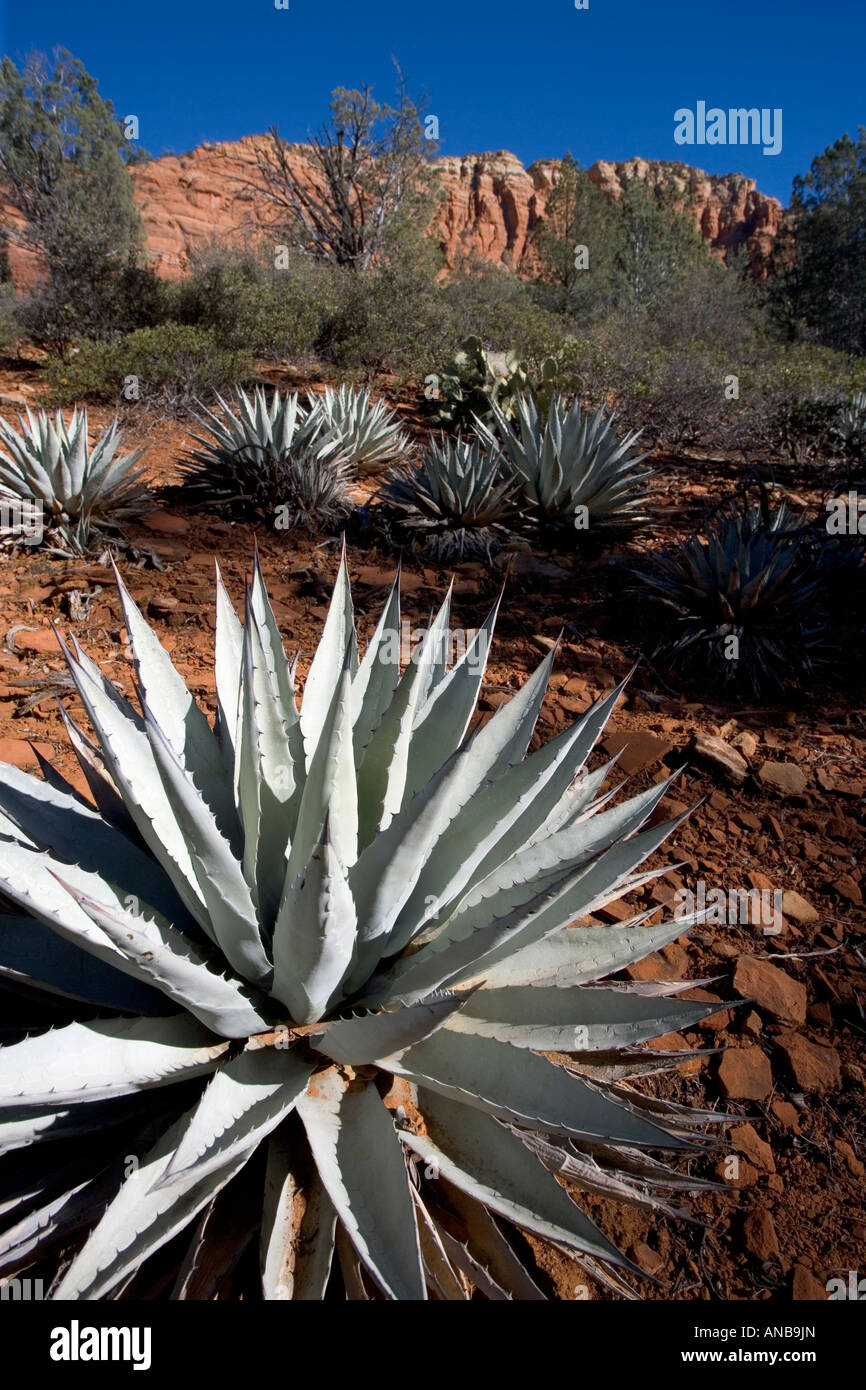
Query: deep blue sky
[[531, 76]]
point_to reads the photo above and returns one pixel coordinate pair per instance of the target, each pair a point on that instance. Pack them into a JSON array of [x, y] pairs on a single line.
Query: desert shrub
[[594, 370], [247, 303], [714, 306], [792, 400], [10, 330], [102, 308], [393, 318], [785, 401], [494, 305], [691, 355], [680, 400], [611, 367], [171, 365], [677, 398]]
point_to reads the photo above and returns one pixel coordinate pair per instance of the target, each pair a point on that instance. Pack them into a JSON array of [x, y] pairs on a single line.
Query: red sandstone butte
[[490, 208]]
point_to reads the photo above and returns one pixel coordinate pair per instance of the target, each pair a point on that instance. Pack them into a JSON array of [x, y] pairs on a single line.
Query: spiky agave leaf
[[72, 489], [272, 460], [460, 497], [368, 434], [572, 460], [746, 594], [292, 917]]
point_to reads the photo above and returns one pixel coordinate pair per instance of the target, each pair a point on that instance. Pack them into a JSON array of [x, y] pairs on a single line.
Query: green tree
[[63, 169], [600, 255], [658, 247], [577, 243], [817, 285]]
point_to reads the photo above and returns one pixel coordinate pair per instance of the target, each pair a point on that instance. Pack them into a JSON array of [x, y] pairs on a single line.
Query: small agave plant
[[80, 493], [852, 424], [746, 595], [460, 498], [270, 933], [272, 460], [368, 433], [573, 464]]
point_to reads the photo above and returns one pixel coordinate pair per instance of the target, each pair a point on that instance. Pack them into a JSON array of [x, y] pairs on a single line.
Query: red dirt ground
[[795, 1217]]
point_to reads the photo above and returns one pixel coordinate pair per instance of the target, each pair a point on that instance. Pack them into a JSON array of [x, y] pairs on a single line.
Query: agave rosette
[[270, 454], [746, 592], [273, 932], [460, 496], [572, 460], [80, 488], [368, 434]]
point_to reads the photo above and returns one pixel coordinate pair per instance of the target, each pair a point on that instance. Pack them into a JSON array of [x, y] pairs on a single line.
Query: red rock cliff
[[491, 204]]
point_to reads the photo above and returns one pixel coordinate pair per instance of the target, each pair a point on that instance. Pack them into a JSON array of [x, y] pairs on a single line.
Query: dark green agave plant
[[459, 498], [323, 947], [273, 460], [746, 595]]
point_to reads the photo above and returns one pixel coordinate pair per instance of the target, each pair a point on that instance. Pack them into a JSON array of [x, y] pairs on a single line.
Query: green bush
[[679, 398], [714, 306], [100, 308], [171, 366], [791, 400], [248, 303], [788, 400], [676, 397], [393, 318], [500, 309], [10, 331]]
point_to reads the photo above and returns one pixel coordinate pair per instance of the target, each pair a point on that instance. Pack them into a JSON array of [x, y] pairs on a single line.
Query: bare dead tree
[[356, 176]]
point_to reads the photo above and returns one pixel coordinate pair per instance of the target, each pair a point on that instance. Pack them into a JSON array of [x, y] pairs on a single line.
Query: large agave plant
[[320, 947], [368, 434], [271, 460], [459, 497], [80, 490], [746, 595], [573, 461]]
